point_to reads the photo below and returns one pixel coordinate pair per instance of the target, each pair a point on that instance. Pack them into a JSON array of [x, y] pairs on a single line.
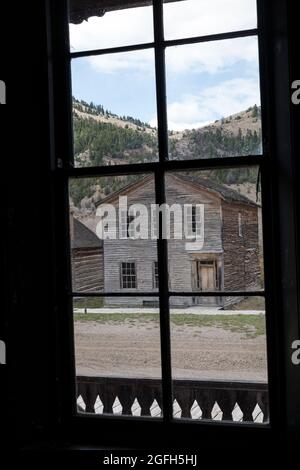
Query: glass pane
[[215, 236], [114, 109], [113, 248], [117, 351], [213, 99], [184, 19], [219, 359], [107, 26]]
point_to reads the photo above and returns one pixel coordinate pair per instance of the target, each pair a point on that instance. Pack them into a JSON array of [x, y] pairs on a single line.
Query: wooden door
[[205, 280]]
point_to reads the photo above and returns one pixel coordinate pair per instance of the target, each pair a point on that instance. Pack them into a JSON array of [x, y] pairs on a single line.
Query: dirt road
[[131, 349]]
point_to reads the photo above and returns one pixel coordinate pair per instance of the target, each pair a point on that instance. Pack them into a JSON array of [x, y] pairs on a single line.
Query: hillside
[[103, 138], [239, 134]]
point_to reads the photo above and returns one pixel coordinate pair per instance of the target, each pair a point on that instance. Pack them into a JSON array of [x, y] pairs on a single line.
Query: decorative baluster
[[126, 397], [247, 402], [206, 400], [145, 398], [91, 396], [226, 400], [107, 396], [185, 398]]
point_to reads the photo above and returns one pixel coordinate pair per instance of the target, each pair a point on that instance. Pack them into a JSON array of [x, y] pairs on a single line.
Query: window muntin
[[159, 170]]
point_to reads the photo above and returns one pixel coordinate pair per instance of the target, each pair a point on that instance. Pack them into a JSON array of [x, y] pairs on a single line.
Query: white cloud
[[114, 29], [212, 57], [202, 17], [191, 17], [141, 62], [222, 100]]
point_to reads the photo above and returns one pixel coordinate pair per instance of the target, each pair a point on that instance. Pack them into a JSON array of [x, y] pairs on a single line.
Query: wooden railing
[[230, 401]]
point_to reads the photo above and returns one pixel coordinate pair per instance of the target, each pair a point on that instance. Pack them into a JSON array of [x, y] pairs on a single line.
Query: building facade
[[227, 257]]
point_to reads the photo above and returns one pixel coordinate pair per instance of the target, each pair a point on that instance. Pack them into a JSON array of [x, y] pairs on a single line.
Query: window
[[240, 224], [128, 275], [155, 275], [193, 220], [197, 154], [126, 220]]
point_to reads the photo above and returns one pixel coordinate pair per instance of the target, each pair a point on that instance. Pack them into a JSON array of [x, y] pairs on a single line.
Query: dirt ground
[[133, 350]]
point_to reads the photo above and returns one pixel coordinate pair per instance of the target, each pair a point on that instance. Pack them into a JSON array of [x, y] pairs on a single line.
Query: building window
[[126, 229], [155, 275], [128, 275], [193, 220], [240, 224]]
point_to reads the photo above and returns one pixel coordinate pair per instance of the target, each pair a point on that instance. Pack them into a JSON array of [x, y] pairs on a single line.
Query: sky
[[205, 81]]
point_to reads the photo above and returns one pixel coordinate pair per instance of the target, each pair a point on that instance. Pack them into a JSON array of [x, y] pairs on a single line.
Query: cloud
[[191, 17], [212, 57], [199, 18], [114, 29], [141, 62], [224, 99]]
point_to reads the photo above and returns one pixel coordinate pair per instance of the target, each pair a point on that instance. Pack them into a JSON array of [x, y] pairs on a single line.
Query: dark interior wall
[[28, 224]]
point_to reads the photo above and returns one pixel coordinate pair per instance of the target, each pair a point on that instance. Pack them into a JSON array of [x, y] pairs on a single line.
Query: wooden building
[[227, 259], [87, 258]]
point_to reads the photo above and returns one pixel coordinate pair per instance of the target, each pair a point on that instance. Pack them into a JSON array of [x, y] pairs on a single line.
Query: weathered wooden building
[[227, 259], [87, 258]]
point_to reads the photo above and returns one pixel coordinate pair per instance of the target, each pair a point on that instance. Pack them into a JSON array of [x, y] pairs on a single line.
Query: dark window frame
[[278, 155]]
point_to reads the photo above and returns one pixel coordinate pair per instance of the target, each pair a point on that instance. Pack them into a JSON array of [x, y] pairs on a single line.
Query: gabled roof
[[227, 194], [197, 182], [83, 237]]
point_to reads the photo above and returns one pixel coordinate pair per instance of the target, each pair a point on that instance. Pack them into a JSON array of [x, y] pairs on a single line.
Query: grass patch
[[249, 303], [250, 326], [90, 302]]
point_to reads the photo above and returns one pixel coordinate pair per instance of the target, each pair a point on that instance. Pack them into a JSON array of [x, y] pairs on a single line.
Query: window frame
[[155, 275], [273, 189], [240, 225], [128, 275]]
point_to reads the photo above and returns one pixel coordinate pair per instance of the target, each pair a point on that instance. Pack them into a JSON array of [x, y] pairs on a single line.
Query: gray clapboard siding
[[236, 258]]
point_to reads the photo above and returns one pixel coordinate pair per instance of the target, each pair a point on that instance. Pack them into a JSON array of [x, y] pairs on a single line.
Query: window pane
[[118, 26], [221, 247], [184, 19], [112, 241], [219, 359], [114, 109], [117, 351], [213, 99]]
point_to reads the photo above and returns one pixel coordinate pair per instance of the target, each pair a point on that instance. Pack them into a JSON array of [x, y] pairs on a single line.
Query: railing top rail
[[191, 383]]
